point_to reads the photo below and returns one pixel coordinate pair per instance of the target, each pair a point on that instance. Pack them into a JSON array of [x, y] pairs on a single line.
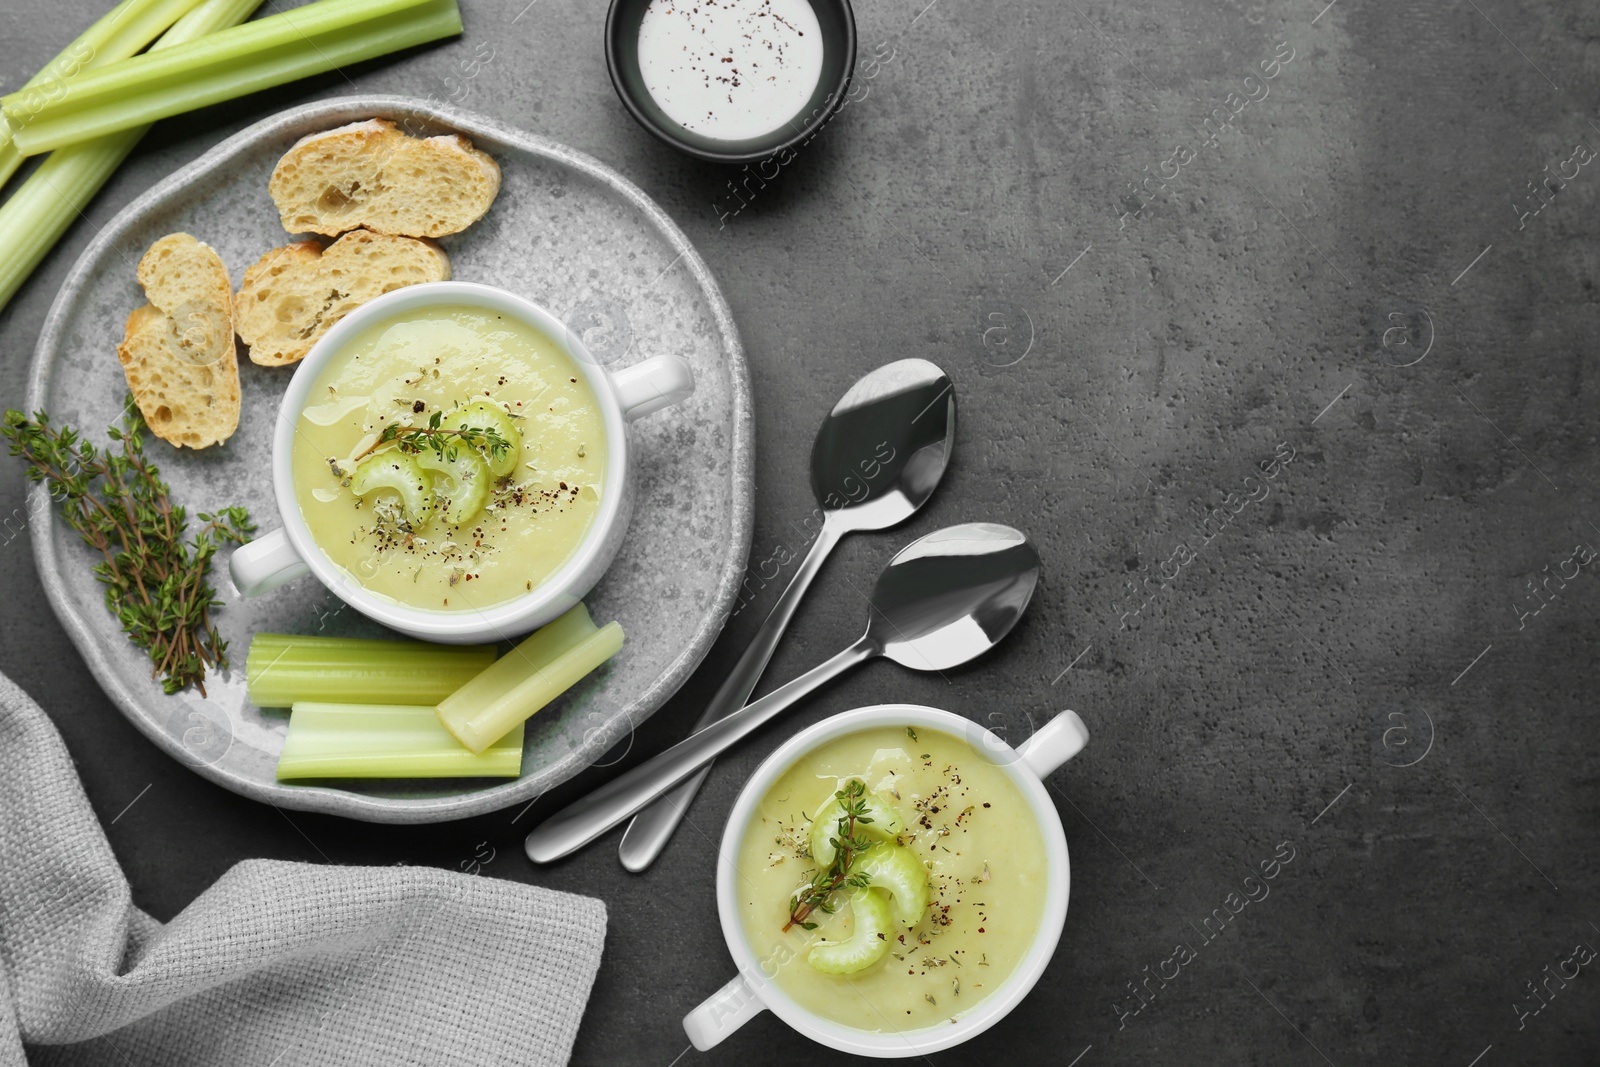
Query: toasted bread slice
[[177, 350], [293, 294], [372, 176]]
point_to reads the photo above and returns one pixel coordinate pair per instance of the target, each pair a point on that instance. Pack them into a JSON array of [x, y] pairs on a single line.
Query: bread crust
[[370, 175], [293, 295], [177, 351]]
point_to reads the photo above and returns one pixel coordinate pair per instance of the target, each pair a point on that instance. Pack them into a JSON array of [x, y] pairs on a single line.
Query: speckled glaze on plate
[[567, 232]]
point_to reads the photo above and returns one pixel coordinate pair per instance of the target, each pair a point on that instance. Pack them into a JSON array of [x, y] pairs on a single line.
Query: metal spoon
[[943, 600], [877, 458]]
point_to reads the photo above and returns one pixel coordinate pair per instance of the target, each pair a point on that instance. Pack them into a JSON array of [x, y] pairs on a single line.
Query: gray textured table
[[1350, 267]]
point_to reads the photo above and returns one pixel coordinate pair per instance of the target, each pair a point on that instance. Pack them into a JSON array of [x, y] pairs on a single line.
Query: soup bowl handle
[[1054, 743], [651, 385], [265, 563], [722, 1013]]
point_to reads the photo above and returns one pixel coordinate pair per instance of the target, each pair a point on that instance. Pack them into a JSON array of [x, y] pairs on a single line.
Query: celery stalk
[[319, 37], [385, 741], [210, 17], [54, 195], [50, 200], [544, 645], [527, 678], [540, 688], [175, 64], [120, 33], [286, 669]]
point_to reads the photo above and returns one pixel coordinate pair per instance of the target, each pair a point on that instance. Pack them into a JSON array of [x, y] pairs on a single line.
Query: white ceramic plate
[[568, 233]]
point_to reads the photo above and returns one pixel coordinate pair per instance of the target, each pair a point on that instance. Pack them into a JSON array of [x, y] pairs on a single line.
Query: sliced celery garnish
[[528, 677], [897, 870], [321, 36], [883, 822], [487, 415], [465, 479], [386, 741], [869, 941], [402, 475], [286, 669]]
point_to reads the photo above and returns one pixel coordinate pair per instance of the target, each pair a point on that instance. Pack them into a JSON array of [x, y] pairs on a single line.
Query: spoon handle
[[581, 822], [652, 828]]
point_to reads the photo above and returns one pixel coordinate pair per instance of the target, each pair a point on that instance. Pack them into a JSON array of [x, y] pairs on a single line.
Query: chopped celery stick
[[321, 36], [528, 677], [541, 686], [386, 741], [286, 669], [540, 647], [120, 33], [54, 196]]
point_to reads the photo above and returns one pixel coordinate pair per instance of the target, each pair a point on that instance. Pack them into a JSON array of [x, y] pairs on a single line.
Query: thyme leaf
[[817, 894], [157, 583], [441, 441]]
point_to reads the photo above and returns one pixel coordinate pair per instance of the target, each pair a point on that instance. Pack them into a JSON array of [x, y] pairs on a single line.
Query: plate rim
[[595, 743]]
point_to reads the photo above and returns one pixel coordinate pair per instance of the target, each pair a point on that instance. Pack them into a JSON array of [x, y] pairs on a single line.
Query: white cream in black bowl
[[732, 81]]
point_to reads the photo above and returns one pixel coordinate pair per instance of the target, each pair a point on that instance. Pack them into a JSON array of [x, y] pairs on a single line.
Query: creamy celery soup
[[932, 912], [450, 458]]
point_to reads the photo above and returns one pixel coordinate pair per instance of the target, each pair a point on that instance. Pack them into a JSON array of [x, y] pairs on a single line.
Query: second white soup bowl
[[753, 990]]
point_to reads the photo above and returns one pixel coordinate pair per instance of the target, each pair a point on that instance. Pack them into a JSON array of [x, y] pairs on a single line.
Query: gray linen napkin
[[277, 963]]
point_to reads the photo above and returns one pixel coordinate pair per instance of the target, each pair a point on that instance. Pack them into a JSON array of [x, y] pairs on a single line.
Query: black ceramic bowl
[[838, 23]]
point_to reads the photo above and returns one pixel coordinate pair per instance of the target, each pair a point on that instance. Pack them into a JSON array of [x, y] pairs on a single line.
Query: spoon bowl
[[877, 458], [947, 598], [882, 450]]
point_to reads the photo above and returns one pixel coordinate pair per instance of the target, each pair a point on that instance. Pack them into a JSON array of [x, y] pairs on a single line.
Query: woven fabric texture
[[277, 964]]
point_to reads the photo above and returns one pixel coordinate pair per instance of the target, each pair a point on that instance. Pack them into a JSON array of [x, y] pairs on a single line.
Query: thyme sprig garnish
[[441, 440], [847, 845], [156, 583]]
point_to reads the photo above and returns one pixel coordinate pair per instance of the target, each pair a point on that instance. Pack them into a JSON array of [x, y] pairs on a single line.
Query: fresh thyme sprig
[[847, 845], [156, 583], [442, 441]]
